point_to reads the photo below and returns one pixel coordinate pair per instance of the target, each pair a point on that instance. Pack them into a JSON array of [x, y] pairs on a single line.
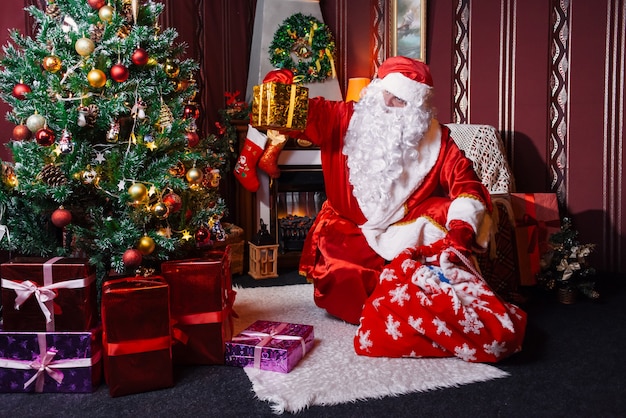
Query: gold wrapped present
[[279, 106]]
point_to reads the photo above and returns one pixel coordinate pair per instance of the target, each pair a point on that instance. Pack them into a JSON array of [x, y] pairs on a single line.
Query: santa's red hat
[[404, 77]]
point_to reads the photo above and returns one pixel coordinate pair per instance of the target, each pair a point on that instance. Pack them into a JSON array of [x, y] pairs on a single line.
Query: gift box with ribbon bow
[[279, 103], [57, 294], [201, 302], [536, 218], [46, 362], [136, 335], [269, 345]]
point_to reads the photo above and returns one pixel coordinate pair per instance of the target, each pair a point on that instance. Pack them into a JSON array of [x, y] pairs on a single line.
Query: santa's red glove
[[461, 236]]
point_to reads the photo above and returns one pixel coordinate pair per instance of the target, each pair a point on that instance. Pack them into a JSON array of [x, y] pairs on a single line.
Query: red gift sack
[[136, 335], [201, 299]]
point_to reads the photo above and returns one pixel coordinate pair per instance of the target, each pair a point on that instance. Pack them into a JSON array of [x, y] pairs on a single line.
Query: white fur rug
[[331, 373]]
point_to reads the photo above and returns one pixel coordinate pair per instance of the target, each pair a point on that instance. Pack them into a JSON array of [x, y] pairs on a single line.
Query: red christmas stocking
[[269, 159], [245, 169]]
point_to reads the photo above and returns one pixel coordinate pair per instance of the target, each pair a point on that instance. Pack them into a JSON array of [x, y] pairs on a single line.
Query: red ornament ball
[[173, 201], [193, 139], [20, 90], [191, 111], [119, 73], [45, 137], [140, 57], [132, 258], [61, 217], [203, 237], [96, 4], [21, 133]]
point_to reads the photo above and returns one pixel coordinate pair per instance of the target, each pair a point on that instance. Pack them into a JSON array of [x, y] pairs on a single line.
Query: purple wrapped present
[[268, 345], [50, 361]]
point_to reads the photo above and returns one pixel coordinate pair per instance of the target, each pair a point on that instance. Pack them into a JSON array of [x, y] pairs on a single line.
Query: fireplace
[[296, 199]]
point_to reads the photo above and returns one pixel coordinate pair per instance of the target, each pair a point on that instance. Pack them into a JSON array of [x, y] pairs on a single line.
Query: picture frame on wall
[[408, 28]]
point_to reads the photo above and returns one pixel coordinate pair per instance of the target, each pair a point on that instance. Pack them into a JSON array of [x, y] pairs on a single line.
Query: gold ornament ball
[[194, 175], [171, 68], [96, 78], [106, 13], [51, 63], [84, 46], [146, 245], [138, 192], [161, 210]]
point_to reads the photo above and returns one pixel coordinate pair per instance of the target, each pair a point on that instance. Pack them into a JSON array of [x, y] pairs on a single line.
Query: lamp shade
[[355, 85]]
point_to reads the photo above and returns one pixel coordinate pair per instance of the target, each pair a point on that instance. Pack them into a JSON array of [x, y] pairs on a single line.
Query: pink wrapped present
[[50, 362], [268, 345]]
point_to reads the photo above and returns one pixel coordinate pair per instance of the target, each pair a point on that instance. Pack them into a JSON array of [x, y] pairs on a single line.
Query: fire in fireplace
[[297, 197]]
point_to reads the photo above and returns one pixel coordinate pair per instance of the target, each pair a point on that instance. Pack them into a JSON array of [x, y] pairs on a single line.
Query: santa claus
[[404, 211], [394, 180]]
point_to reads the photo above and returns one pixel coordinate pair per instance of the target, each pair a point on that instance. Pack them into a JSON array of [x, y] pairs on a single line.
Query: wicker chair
[[482, 144]]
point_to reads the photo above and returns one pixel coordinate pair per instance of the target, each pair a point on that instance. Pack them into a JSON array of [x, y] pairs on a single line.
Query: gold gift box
[[279, 106]]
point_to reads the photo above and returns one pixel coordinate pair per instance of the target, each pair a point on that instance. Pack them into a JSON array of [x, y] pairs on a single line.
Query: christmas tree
[[107, 158]]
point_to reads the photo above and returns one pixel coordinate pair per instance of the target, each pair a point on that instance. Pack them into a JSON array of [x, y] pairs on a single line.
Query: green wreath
[[311, 42]]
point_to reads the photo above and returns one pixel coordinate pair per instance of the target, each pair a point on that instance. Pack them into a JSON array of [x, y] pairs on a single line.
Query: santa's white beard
[[381, 143]]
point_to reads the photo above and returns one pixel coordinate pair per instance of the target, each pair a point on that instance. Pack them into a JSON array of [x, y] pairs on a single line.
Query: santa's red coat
[[336, 255]]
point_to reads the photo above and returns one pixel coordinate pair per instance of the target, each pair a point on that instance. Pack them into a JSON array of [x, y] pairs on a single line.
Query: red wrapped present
[[270, 345], [536, 218], [57, 294], [201, 301], [136, 335], [50, 362]]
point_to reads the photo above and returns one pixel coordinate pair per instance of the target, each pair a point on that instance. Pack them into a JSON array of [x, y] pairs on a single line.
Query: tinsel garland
[[311, 42]]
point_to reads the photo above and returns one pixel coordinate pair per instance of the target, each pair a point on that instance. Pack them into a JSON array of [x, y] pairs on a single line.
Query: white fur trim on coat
[[472, 211], [397, 238]]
